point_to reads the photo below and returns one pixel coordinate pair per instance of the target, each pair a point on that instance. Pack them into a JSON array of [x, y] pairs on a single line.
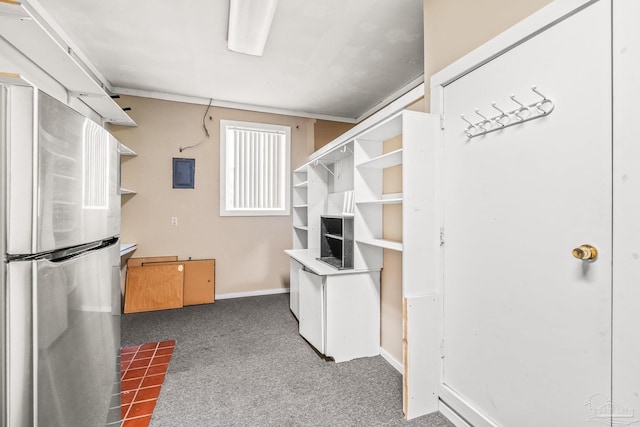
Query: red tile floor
[[143, 369]]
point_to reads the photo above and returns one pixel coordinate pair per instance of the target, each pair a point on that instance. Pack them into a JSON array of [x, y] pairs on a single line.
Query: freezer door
[[63, 190], [67, 342]]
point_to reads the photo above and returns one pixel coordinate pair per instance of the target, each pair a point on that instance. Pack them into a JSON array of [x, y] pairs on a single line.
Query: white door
[[527, 327]]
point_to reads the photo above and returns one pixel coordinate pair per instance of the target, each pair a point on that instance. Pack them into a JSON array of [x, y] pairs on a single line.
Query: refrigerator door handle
[[64, 255]]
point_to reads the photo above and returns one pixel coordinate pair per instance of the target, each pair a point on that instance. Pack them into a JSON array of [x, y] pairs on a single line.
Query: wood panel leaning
[[160, 283]]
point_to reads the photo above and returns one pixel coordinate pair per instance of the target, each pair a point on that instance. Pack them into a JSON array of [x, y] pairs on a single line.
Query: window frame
[[225, 210]]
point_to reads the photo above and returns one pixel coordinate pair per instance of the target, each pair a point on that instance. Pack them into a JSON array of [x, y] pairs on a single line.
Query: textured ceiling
[[324, 57]]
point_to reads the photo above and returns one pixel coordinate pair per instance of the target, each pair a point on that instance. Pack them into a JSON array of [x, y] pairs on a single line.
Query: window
[[254, 169]]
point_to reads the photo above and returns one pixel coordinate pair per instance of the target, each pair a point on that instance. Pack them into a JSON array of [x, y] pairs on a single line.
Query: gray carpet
[[241, 362]]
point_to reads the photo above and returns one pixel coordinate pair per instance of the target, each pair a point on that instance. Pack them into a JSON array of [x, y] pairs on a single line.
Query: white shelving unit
[[300, 207], [126, 152], [354, 164]]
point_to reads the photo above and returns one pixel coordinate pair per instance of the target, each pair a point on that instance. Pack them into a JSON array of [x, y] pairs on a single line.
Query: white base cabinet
[[340, 314], [338, 310]]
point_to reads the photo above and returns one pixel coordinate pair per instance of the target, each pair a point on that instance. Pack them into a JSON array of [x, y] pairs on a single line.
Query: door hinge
[[441, 236], [442, 349], [441, 121]]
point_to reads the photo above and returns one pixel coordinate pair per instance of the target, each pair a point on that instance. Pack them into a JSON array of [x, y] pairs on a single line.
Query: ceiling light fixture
[[249, 24]]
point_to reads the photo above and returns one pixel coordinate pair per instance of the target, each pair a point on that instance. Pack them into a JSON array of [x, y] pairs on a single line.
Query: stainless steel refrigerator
[[60, 300]]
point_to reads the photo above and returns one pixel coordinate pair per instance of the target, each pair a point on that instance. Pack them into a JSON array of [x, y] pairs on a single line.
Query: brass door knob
[[585, 252]]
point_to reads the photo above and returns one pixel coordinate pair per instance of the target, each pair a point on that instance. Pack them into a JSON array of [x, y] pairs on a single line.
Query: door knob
[[585, 252]]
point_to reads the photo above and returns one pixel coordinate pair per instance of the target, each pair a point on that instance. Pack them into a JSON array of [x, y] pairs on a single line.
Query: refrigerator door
[[62, 189], [71, 361]]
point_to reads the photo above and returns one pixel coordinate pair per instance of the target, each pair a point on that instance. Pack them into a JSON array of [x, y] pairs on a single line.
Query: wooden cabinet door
[[154, 287], [199, 282]]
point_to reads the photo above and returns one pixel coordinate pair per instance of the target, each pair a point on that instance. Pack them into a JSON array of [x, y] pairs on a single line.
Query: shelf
[[334, 236], [381, 243], [125, 191], [126, 151], [29, 33], [308, 257], [386, 129], [336, 154], [126, 248], [388, 160], [301, 185], [300, 206], [301, 227], [387, 199], [301, 170]]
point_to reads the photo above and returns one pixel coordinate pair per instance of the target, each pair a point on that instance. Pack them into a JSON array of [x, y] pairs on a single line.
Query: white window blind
[[254, 169]]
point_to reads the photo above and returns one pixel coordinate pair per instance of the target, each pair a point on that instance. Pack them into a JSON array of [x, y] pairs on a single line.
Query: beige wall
[[326, 131], [453, 28], [248, 250]]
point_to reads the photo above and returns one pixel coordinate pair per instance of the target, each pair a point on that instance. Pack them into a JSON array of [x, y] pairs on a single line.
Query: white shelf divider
[[382, 243], [386, 199]]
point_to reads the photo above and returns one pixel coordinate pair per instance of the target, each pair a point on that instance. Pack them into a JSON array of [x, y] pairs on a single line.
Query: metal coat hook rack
[[316, 163], [523, 113]]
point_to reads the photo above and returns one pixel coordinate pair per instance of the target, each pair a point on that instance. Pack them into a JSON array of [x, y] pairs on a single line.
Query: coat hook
[[478, 113], [513, 98], [522, 108], [482, 124], [501, 117], [544, 101], [544, 98], [471, 126], [485, 123]]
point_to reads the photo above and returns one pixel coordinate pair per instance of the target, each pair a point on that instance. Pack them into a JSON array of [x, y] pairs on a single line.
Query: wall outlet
[[174, 220]]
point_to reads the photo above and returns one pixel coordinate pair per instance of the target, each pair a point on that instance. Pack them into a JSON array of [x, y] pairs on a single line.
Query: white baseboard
[[452, 416], [393, 362], [252, 293], [464, 409]]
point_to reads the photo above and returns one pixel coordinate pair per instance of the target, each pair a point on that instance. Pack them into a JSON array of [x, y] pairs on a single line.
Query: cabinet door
[[312, 313], [294, 300], [352, 304]]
